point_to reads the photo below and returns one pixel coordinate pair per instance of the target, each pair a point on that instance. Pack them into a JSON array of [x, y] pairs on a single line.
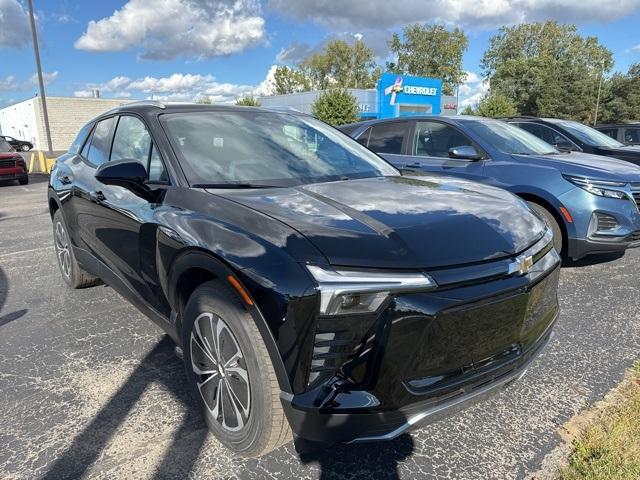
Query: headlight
[[346, 292], [599, 187]]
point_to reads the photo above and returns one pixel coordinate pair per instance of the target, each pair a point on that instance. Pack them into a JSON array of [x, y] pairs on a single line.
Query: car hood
[[401, 222], [631, 152], [587, 165], [8, 154]]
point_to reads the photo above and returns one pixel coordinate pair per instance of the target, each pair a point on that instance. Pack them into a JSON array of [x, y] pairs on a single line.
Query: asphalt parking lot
[[90, 388]]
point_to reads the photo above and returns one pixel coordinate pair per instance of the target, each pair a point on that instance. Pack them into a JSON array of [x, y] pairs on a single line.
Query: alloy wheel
[[62, 249], [221, 371]]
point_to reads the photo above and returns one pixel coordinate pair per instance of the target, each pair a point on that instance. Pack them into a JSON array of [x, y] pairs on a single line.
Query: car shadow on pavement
[[592, 260], [87, 447]]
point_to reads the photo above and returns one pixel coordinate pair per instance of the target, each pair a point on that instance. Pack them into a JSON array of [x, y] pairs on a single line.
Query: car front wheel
[[230, 372], [72, 273], [553, 224], [25, 148]]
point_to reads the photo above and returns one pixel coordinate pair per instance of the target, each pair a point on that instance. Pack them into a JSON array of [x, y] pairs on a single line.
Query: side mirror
[[465, 152], [564, 147], [123, 173]]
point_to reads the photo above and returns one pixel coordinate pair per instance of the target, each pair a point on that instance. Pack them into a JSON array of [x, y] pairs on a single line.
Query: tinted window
[[586, 134], [363, 138], [508, 138], [387, 137], [632, 135], [80, 138], [547, 134], [266, 148], [100, 142], [131, 141], [434, 139], [5, 147], [156, 170], [612, 132]]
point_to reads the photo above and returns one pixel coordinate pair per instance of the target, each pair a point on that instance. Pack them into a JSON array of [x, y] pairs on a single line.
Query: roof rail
[[150, 103]]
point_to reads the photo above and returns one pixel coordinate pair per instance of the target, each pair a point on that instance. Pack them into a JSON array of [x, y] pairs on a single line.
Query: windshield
[[265, 148], [5, 147], [588, 135], [508, 138]]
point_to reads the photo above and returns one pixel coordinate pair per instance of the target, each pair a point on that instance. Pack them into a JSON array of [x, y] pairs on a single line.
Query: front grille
[[635, 190], [606, 222], [8, 163]]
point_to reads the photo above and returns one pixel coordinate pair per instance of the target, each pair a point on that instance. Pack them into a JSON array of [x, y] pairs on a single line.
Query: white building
[[67, 115]]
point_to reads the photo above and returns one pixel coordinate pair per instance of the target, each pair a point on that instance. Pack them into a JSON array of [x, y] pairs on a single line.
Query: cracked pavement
[[90, 388]]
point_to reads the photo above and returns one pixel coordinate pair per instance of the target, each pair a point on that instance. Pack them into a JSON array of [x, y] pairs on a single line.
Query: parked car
[[627, 133], [311, 287], [20, 145], [12, 165], [570, 136], [589, 201]]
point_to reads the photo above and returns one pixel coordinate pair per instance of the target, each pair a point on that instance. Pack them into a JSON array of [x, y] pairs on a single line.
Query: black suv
[[627, 133], [20, 145], [311, 286], [569, 135]]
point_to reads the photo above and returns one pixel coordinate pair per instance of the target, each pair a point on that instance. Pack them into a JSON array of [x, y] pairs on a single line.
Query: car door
[[81, 212], [429, 145], [126, 234], [550, 135]]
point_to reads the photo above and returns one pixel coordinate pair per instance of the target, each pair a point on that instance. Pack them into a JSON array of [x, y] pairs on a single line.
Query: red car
[[12, 165]]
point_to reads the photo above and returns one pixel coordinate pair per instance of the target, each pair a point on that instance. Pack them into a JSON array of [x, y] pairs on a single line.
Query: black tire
[[548, 217], [73, 275], [253, 422], [23, 180]]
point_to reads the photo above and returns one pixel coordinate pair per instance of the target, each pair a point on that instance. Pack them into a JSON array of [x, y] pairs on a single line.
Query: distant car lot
[[88, 386]]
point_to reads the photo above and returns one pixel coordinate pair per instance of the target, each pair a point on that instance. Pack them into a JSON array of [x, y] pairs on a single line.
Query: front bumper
[[12, 173], [429, 355]]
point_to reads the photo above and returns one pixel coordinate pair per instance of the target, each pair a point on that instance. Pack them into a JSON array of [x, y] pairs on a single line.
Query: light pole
[[595, 117], [43, 99]]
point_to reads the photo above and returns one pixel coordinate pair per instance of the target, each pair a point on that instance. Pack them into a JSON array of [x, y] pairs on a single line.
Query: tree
[[621, 97], [547, 69], [430, 51], [288, 80], [336, 107], [248, 101], [341, 65], [468, 110], [495, 105], [204, 101]]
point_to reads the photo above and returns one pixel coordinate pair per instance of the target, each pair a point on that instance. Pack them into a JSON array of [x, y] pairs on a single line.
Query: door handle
[[97, 197], [413, 165]]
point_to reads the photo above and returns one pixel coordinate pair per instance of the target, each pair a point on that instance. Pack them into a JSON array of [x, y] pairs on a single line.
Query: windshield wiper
[[233, 185]]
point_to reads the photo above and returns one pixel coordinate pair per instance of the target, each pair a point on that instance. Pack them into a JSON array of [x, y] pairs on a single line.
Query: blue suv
[[591, 202]]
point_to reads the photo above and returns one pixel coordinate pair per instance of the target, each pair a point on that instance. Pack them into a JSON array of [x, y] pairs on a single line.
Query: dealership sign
[[398, 87]]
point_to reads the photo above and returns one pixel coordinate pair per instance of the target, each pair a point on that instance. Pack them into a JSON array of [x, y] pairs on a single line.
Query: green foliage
[[341, 65], [468, 110], [248, 101], [430, 51], [547, 69], [288, 80], [336, 107], [204, 101], [621, 97], [495, 105]]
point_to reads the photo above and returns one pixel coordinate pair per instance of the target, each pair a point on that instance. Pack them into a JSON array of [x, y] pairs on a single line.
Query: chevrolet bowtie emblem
[[521, 265]]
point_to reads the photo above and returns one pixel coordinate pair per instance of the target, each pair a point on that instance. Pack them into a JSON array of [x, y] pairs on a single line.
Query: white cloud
[[470, 13], [47, 78], [14, 25], [8, 83], [635, 48], [472, 90], [178, 87], [172, 28]]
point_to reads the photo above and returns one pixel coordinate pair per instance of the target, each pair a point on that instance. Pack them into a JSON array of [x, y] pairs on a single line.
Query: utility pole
[[43, 99], [595, 117]]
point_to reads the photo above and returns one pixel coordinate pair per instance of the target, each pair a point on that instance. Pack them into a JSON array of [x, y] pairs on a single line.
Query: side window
[[156, 170], [387, 137], [632, 135], [434, 139], [612, 132], [549, 135], [131, 141], [100, 142], [80, 138]]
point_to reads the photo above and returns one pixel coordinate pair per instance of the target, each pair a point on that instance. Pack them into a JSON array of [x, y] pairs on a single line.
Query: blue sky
[[185, 49]]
